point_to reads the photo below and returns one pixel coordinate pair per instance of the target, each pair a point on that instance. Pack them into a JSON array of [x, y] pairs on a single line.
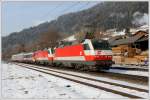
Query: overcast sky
[[19, 15]]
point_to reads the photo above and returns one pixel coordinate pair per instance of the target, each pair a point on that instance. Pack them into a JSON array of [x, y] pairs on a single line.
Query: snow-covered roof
[[144, 28], [105, 38], [111, 30], [70, 38], [141, 28], [118, 33]]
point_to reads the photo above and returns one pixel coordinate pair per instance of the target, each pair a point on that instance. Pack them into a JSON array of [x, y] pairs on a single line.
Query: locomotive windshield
[[101, 45]]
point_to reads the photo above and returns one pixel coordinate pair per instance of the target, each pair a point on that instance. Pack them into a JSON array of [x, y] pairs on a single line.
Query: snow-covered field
[[19, 82]]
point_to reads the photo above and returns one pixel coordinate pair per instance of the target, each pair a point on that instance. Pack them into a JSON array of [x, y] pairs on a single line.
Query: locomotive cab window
[[53, 51], [48, 51], [86, 47], [101, 45]]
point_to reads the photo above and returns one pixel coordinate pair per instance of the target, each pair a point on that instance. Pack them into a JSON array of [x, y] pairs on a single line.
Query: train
[[88, 55]]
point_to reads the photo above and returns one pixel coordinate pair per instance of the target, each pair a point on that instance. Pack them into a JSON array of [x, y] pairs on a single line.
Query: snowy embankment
[[129, 72], [140, 67], [102, 78], [19, 82]]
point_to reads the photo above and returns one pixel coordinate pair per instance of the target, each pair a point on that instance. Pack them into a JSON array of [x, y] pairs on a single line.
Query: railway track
[[95, 75], [124, 90], [136, 79]]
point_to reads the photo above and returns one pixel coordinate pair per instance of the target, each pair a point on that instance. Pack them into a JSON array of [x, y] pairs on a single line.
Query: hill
[[103, 16]]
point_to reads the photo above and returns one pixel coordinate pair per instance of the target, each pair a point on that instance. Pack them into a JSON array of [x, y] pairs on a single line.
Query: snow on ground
[[104, 79], [70, 38], [19, 82], [129, 72], [130, 66]]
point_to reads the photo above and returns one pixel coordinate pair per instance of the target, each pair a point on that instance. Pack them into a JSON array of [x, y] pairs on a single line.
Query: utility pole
[[89, 30]]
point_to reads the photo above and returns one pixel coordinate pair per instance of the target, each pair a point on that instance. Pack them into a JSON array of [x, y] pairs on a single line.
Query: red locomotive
[[88, 55]]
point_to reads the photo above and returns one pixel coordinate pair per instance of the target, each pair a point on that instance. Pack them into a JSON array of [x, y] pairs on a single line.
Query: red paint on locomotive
[[69, 51]]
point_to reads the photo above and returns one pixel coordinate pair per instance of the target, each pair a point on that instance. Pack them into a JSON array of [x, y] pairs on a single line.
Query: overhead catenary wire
[[81, 7], [85, 5], [70, 7], [53, 11]]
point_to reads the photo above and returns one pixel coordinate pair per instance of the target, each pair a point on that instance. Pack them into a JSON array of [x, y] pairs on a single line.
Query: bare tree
[[49, 39]]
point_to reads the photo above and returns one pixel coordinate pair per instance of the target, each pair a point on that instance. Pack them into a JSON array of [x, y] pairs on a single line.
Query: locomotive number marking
[[80, 52]]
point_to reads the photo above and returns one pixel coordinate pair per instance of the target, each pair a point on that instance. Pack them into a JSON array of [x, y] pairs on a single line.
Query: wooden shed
[[128, 50]]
